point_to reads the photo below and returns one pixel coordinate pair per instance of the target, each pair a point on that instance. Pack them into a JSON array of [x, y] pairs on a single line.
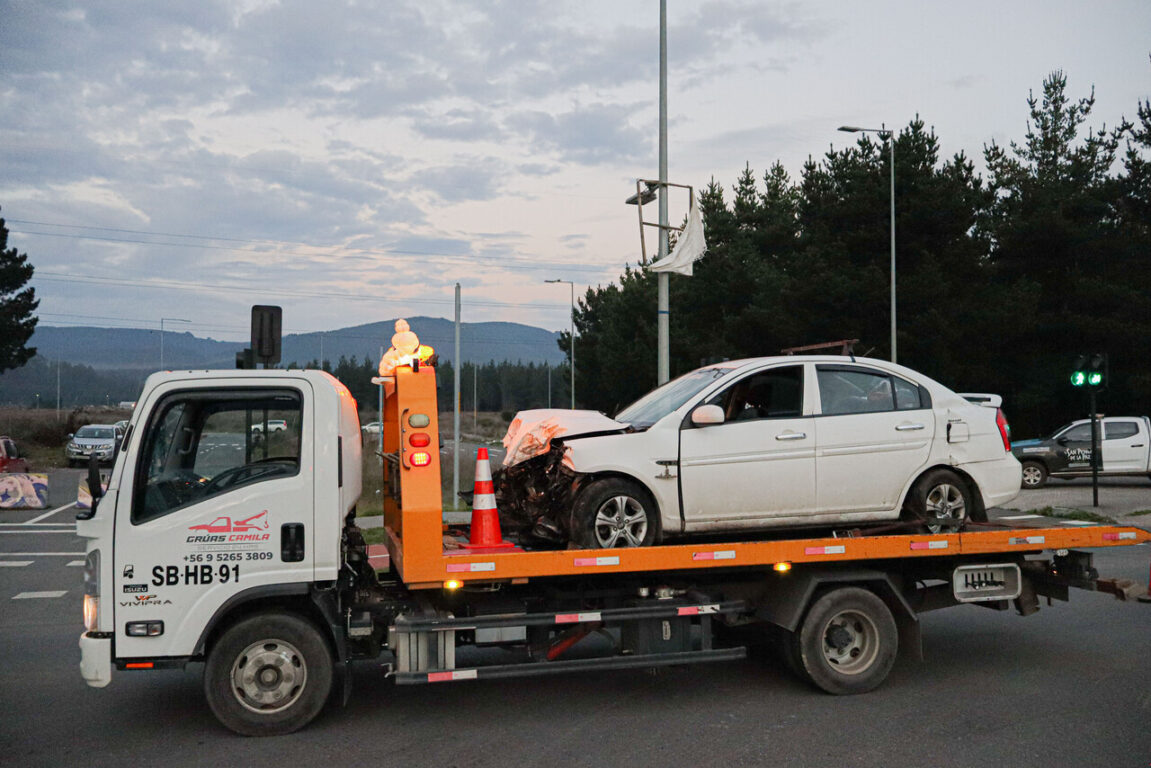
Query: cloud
[[594, 134]]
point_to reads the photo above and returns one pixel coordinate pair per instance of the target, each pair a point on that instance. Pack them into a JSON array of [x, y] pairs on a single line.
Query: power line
[[526, 263], [67, 277]]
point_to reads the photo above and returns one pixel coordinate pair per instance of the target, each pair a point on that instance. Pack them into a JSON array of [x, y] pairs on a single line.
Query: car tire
[[847, 642], [268, 675], [614, 512], [1034, 475], [939, 494]]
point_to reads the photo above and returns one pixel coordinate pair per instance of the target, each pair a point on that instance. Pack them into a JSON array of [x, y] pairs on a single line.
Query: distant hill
[[133, 349]]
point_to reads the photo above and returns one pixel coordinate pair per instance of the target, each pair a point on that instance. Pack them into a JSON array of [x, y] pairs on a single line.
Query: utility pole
[[456, 409], [663, 316]]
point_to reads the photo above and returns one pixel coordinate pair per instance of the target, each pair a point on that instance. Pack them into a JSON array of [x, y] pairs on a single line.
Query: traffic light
[[1090, 370]]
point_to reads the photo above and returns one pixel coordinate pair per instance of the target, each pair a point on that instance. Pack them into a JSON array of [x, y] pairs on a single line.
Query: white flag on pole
[[689, 248]]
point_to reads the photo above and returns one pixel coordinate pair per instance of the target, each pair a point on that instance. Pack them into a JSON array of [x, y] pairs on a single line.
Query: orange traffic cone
[[485, 518]]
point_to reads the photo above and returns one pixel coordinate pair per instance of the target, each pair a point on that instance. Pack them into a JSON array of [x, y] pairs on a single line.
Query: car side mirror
[[71, 435], [1062, 441], [706, 415]]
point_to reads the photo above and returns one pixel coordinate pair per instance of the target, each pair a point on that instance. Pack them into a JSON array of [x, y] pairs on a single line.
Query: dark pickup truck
[[1126, 450]]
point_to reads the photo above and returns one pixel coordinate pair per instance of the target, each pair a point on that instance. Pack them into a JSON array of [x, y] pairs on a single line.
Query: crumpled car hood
[[531, 432]]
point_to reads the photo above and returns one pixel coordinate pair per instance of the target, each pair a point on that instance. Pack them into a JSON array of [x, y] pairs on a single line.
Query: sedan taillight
[[1004, 429]]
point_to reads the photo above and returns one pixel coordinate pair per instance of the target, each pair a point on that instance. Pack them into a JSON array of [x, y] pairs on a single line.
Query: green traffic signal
[[1095, 379], [1078, 379]]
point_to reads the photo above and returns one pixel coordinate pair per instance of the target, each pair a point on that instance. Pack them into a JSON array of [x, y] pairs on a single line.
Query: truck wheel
[[268, 675], [847, 643], [1034, 474], [614, 512], [940, 495]]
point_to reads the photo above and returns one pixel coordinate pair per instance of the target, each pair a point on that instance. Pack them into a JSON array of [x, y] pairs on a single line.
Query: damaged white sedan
[[755, 445]]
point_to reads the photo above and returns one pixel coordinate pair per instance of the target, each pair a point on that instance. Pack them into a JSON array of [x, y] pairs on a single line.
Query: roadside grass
[[1069, 513], [1140, 513]]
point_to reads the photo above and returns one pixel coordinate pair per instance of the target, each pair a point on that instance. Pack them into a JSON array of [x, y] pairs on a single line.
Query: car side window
[[854, 390], [1079, 434], [776, 393], [201, 444], [1120, 429], [907, 395]]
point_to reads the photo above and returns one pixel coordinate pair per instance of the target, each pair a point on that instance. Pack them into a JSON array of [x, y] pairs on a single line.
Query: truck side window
[[1117, 430], [204, 443]]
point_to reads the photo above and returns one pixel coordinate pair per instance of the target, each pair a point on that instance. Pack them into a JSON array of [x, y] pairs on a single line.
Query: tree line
[[1001, 281]]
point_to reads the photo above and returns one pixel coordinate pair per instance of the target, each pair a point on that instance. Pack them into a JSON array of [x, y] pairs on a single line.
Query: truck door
[[1074, 447], [759, 463], [209, 508], [1124, 446]]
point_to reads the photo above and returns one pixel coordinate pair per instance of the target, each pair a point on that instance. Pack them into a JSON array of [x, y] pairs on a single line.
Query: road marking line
[[39, 595], [54, 511], [43, 554], [1020, 517], [15, 563], [1075, 522], [65, 530], [72, 564], [38, 525]]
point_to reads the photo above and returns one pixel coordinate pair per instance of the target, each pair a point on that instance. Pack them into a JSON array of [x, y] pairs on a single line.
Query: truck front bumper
[[96, 659]]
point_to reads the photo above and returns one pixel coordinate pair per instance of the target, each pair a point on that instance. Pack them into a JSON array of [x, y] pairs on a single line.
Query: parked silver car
[[103, 440]]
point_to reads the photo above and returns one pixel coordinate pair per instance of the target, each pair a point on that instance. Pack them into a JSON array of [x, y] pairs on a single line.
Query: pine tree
[[17, 303]]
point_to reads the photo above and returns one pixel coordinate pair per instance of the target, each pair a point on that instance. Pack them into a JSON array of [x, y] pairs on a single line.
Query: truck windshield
[[660, 402]]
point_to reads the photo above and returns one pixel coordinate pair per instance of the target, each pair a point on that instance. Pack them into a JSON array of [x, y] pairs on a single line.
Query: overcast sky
[[352, 161]]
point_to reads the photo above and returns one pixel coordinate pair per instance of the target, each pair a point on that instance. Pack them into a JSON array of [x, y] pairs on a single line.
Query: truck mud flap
[[533, 669]]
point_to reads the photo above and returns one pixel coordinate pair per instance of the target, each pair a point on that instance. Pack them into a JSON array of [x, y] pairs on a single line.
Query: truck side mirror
[[706, 415], [95, 488]]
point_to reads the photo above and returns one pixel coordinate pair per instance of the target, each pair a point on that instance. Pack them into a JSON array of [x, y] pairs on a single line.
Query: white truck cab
[[204, 513]]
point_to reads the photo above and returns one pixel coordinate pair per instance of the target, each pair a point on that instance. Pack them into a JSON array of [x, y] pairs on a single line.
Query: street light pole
[[889, 137], [162, 321], [663, 316], [571, 335]]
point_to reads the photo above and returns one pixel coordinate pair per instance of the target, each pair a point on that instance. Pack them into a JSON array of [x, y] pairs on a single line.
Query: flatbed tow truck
[[275, 610]]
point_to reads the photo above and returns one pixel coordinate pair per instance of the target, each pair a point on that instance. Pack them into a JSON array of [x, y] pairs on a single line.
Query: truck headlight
[[92, 591]]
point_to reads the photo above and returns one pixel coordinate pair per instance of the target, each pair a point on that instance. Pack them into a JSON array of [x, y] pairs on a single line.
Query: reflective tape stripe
[[723, 554], [484, 501], [838, 549], [447, 677], [1027, 540], [576, 618], [929, 545], [1119, 536], [470, 567], [698, 610], [586, 561]]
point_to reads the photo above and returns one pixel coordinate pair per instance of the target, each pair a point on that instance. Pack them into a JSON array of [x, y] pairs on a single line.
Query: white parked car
[[371, 428], [760, 444], [274, 425]]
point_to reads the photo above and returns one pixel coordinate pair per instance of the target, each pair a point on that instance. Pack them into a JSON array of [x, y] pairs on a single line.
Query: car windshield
[[660, 402], [106, 433]]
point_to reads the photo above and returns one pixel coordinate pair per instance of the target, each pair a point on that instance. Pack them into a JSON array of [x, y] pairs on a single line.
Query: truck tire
[[1034, 474], [939, 494], [268, 675], [614, 512], [847, 643]]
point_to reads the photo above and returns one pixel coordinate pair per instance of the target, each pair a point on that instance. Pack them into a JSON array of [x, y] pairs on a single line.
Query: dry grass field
[[40, 434]]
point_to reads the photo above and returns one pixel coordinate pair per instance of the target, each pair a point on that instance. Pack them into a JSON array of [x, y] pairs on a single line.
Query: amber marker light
[[453, 584], [783, 567]]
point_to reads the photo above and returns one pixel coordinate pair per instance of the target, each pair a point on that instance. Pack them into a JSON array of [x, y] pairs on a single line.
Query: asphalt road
[[1069, 686]]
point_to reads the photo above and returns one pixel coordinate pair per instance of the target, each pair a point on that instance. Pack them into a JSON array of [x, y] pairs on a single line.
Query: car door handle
[[908, 427], [791, 436], [1137, 445]]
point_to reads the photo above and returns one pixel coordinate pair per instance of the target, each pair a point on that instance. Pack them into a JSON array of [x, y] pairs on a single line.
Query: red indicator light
[[421, 459], [138, 665], [420, 440]]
